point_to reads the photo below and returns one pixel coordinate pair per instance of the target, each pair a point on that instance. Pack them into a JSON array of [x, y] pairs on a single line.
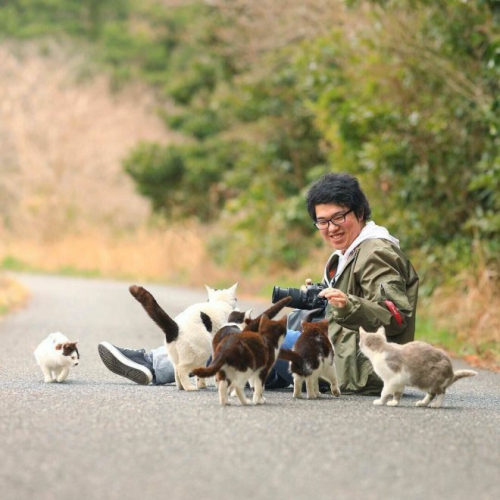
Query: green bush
[[406, 98]]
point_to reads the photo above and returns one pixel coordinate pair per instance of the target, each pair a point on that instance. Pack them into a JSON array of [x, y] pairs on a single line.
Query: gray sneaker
[[128, 363]]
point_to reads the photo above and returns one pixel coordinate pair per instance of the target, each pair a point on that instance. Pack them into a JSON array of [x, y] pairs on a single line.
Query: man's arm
[[384, 301]]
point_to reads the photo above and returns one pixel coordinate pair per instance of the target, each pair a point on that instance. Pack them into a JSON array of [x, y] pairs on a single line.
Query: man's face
[[342, 235]]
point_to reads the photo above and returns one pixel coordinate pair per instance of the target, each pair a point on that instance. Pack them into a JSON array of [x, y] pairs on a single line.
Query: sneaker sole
[[116, 362]]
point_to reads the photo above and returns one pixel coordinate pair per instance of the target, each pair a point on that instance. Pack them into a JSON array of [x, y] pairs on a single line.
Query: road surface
[[99, 436]]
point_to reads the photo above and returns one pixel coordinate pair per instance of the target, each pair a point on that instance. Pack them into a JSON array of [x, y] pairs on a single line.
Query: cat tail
[[253, 324], [461, 374], [296, 360], [212, 368], [156, 313]]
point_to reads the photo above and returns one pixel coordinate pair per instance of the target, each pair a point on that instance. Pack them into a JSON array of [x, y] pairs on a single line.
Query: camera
[[301, 299]]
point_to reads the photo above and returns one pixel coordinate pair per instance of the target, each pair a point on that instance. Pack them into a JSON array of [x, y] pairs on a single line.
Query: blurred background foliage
[[402, 94]]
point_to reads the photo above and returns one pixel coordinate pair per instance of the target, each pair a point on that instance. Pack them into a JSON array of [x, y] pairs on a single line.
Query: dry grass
[[170, 255], [62, 141], [12, 294], [471, 309]]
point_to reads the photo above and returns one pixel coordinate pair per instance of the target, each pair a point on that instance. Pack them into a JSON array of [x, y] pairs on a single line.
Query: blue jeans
[[279, 377]]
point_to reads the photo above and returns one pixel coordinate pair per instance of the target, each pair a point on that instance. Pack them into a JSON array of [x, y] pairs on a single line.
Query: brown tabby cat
[[246, 357]]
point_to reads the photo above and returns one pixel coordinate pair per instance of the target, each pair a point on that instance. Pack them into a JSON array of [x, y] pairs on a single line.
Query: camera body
[[301, 299]]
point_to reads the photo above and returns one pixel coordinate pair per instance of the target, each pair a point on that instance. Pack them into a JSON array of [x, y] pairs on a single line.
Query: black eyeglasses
[[336, 220]]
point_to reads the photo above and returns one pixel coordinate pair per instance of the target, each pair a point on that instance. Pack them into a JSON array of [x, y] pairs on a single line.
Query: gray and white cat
[[188, 336], [416, 364], [56, 355]]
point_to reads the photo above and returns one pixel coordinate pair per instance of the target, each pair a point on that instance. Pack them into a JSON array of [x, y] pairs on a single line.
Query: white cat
[[416, 364], [188, 336], [56, 355]]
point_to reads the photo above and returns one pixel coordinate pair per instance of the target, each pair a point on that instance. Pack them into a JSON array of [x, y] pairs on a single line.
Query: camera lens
[[298, 296], [279, 293]]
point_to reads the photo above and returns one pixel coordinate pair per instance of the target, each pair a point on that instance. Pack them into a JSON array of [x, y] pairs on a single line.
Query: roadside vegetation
[[265, 97], [12, 294]]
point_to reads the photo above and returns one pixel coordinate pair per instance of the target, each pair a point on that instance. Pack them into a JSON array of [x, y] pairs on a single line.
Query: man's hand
[[335, 297]]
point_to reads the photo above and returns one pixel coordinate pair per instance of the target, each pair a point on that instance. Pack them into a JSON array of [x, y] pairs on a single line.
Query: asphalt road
[[99, 436]]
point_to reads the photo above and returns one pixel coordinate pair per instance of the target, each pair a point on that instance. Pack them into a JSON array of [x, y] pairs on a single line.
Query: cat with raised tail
[[189, 335], [239, 321], [246, 357], [415, 364], [55, 355], [236, 322], [312, 359]]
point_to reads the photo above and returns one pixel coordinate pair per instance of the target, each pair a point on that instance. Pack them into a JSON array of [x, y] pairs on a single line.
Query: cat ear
[[264, 320], [362, 331], [248, 315], [381, 331], [233, 288]]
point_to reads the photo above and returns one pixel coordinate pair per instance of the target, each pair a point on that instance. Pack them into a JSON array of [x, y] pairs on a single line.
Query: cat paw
[[436, 404], [378, 402], [336, 392], [421, 403], [48, 380], [259, 401], [393, 402], [190, 388], [297, 396]]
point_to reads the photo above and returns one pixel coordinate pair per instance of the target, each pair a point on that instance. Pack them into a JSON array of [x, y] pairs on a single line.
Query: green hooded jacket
[[376, 271]]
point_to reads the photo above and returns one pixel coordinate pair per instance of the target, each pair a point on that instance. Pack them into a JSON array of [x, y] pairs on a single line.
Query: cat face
[[69, 351], [225, 295]]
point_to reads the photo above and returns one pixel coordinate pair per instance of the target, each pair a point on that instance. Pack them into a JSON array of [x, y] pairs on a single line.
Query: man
[[369, 282]]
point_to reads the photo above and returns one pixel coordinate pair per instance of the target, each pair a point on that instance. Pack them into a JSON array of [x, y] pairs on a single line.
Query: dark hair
[[341, 189]]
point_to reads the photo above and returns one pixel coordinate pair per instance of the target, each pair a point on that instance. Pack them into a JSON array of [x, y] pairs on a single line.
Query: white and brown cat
[[416, 364], [239, 321], [189, 335], [312, 359], [246, 357], [55, 355]]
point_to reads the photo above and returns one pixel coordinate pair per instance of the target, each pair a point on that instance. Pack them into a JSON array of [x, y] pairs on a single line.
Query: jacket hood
[[370, 232]]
